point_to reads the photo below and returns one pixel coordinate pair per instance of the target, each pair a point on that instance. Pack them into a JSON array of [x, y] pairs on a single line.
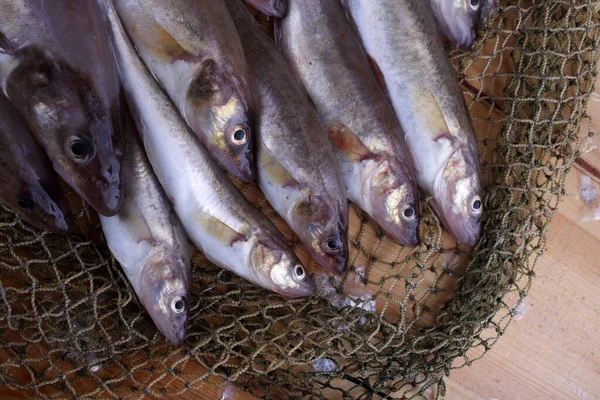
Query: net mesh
[[395, 325]]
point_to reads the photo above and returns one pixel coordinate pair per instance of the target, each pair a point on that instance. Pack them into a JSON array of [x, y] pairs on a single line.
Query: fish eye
[[476, 205], [299, 273], [179, 305], [409, 212], [474, 4], [81, 149], [239, 135], [25, 201], [332, 245]]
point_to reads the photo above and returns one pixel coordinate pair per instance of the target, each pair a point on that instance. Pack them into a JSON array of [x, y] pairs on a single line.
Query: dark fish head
[[273, 261], [218, 111], [457, 197], [79, 131], [460, 20], [325, 228], [165, 294], [394, 201], [37, 207]]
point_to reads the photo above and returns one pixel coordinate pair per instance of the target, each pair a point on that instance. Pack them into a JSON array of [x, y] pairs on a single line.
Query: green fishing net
[[395, 326]]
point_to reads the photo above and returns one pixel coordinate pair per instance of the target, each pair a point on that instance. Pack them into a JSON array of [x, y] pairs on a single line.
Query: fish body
[[459, 20], [27, 182], [296, 166], [401, 38], [329, 60], [148, 240], [217, 218], [193, 50], [272, 8], [57, 68]]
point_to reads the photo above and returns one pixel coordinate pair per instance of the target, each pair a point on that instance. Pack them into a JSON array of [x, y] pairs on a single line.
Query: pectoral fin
[[347, 143], [219, 229], [274, 170], [161, 43], [431, 115]]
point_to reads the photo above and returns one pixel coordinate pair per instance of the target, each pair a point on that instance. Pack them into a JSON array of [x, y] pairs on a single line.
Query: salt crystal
[[227, 391], [589, 193], [521, 310], [324, 365]]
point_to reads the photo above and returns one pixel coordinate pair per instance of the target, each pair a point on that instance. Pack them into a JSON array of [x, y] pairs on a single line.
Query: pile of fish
[[143, 106]]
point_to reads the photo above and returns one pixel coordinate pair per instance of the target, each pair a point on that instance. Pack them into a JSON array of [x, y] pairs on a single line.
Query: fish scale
[[401, 38], [327, 57], [29, 185], [192, 48], [297, 170], [148, 240], [58, 70], [220, 222]]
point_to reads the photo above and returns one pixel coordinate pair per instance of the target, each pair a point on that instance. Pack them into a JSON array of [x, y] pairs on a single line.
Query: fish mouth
[[460, 230], [306, 289]]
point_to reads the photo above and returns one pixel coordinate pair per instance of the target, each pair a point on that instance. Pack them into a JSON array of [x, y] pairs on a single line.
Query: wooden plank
[[550, 352]]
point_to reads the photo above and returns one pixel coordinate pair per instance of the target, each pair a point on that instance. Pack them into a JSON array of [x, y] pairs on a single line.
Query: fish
[[401, 39], [217, 218], [271, 8], [193, 50], [147, 238], [29, 185], [296, 166], [57, 68], [328, 59], [459, 20]]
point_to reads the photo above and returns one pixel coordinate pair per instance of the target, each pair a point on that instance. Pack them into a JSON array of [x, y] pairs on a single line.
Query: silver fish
[[297, 170], [217, 218], [459, 20], [148, 240], [27, 182], [57, 67], [329, 60], [272, 8], [192, 48], [401, 38]]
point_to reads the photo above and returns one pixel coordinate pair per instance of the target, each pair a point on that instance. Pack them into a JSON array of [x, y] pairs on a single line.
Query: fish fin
[[377, 72], [6, 46], [274, 170], [219, 229], [277, 34], [162, 44], [431, 115], [347, 143], [269, 8], [208, 86]]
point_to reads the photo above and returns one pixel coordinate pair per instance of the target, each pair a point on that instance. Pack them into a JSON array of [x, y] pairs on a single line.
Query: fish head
[[460, 19], [394, 201], [217, 110], [457, 197], [79, 131], [282, 270], [165, 293], [39, 209], [325, 227]]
